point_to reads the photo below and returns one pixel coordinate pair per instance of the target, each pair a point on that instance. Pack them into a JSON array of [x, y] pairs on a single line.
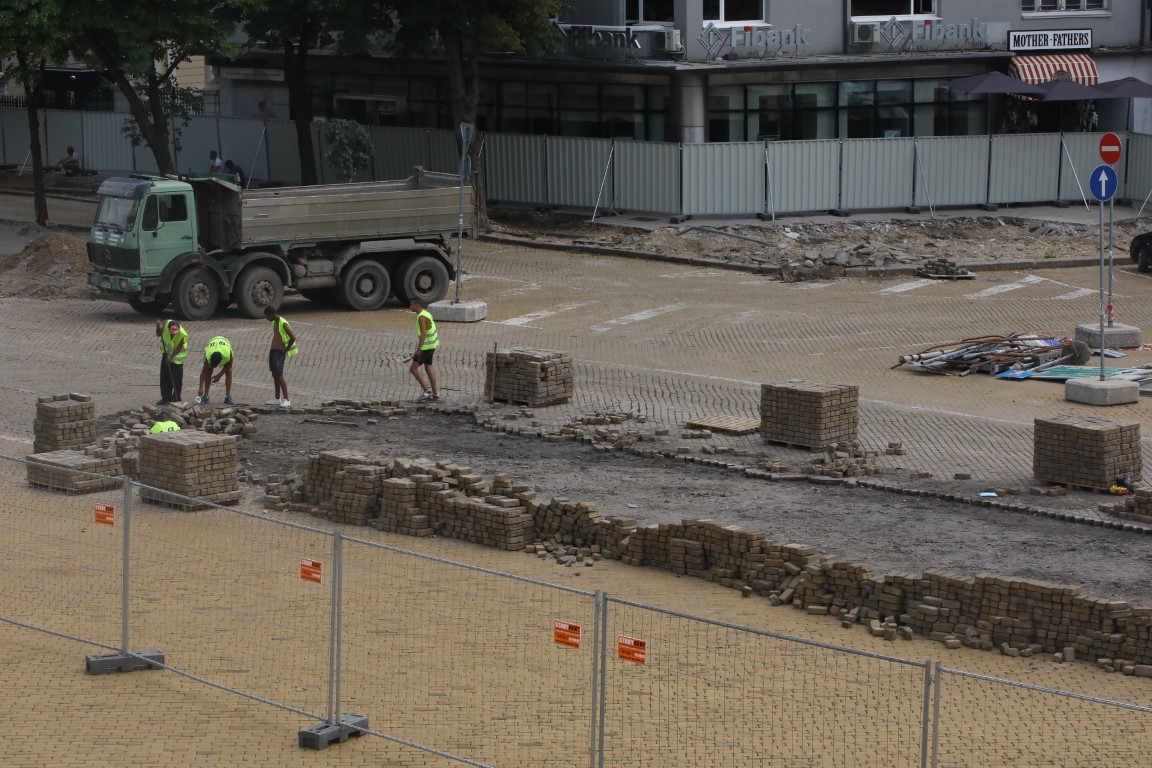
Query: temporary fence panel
[[1025, 168], [803, 176], [683, 692], [199, 137], [230, 598], [646, 177], [61, 128], [983, 721], [576, 171], [105, 146], [398, 151], [722, 179], [876, 173], [443, 151], [283, 154], [465, 661], [951, 170], [1138, 161], [1076, 175], [63, 566], [143, 161], [243, 142], [17, 137], [515, 169]]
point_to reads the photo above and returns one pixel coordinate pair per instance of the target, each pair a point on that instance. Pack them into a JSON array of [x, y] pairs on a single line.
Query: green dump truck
[[202, 243]]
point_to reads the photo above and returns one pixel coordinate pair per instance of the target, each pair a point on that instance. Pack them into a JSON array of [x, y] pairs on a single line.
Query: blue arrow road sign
[[1103, 182]]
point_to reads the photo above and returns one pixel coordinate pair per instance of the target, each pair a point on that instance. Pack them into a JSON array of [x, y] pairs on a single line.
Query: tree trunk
[[300, 102], [464, 91], [31, 82]]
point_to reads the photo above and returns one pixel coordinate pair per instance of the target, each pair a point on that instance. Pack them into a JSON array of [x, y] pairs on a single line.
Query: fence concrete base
[[321, 735], [98, 664]]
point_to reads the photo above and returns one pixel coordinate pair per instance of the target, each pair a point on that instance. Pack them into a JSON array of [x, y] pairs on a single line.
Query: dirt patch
[[50, 266]]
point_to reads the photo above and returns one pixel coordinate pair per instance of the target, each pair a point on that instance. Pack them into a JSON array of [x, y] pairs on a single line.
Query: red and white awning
[[1078, 67]]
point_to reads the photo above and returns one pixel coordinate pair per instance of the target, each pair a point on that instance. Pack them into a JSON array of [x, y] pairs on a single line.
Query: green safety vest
[[168, 343], [221, 345], [282, 327], [164, 426], [432, 340]]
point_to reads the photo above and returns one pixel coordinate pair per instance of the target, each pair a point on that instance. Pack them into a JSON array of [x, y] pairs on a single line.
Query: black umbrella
[[1127, 88], [994, 82], [1070, 90]]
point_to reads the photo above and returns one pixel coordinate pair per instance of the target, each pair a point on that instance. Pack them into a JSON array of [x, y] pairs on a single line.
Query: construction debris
[[944, 269], [1016, 355]]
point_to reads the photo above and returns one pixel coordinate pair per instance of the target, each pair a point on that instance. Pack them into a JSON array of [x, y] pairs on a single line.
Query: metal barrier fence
[[484, 668]]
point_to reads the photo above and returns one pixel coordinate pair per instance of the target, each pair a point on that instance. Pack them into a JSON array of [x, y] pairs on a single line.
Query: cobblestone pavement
[[670, 342]]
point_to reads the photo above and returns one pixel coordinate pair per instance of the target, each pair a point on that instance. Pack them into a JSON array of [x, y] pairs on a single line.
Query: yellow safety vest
[[164, 426], [281, 328], [432, 340], [221, 345], [169, 342]]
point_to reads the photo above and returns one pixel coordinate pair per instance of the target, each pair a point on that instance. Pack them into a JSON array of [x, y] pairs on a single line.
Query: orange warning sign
[[631, 649], [105, 514], [311, 570], [566, 634]]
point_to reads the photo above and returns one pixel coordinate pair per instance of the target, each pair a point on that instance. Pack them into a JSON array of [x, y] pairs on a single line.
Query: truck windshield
[[116, 212]]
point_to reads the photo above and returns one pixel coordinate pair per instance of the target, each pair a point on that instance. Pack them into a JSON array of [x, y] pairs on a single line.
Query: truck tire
[[365, 286], [423, 278], [196, 294], [151, 308], [258, 287]]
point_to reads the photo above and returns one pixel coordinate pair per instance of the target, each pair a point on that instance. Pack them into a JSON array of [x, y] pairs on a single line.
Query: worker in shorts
[[426, 344], [218, 354], [283, 347]]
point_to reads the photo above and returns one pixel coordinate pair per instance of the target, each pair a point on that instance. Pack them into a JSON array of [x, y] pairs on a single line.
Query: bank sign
[[928, 33], [1049, 39]]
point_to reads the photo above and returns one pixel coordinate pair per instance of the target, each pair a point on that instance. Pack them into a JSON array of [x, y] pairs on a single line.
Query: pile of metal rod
[[987, 354]]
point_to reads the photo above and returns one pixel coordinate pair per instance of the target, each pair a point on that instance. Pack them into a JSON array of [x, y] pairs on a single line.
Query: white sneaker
[[273, 401], [285, 403], [425, 395]]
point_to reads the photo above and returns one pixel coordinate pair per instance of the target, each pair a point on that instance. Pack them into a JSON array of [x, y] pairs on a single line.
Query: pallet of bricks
[[1084, 451], [189, 470], [64, 422], [66, 458], [529, 376], [808, 414]]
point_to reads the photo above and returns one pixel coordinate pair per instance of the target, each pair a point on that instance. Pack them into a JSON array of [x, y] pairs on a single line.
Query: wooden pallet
[[965, 276], [798, 446], [727, 425]]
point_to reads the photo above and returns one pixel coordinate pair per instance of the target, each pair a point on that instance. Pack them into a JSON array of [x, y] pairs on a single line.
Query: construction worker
[[218, 354], [164, 426], [173, 352], [426, 344], [283, 347]]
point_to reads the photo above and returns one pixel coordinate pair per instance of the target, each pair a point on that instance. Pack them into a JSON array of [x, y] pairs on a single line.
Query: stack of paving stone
[[223, 420], [1137, 507], [530, 376], [322, 469], [1085, 451], [64, 422], [400, 511], [505, 524], [195, 468], [356, 493], [74, 472], [941, 267], [576, 523], [686, 557], [808, 414]]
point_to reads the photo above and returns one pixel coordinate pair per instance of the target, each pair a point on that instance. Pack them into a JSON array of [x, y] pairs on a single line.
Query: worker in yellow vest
[[218, 354], [164, 426], [283, 347], [427, 342], [173, 352]]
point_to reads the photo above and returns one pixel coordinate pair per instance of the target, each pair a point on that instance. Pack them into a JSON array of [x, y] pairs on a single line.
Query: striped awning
[[1078, 67]]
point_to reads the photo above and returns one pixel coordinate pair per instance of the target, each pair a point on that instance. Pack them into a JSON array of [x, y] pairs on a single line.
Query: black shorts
[[423, 357], [276, 359]]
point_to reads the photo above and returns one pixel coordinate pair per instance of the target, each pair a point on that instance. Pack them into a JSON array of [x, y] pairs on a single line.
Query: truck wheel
[[150, 308], [196, 294], [365, 286], [257, 288], [423, 278]]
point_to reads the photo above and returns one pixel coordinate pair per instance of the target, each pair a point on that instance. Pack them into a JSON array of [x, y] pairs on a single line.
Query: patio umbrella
[[1127, 88], [994, 82], [1070, 90]]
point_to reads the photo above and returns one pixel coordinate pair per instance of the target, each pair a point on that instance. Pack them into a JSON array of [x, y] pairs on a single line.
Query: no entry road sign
[[1110, 148]]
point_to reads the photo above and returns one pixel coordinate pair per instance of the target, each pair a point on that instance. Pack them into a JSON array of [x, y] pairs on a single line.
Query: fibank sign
[[756, 36], [926, 33]]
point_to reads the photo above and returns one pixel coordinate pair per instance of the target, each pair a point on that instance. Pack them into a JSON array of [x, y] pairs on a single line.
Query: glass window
[[1051, 6], [894, 7], [726, 97], [151, 219], [637, 11], [173, 207], [733, 10], [625, 97]]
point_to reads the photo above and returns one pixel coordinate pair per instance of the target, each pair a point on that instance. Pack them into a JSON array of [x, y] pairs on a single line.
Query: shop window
[[640, 11], [1061, 6], [733, 10], [889, 8]]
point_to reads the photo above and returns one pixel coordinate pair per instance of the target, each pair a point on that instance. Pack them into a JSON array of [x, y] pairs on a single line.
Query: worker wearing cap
[[164, 426], [218, 354], [173, 352]]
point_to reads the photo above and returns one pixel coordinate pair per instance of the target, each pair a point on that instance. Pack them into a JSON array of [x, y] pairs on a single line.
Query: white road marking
[[703, 272], [1004, 288], [911, 286], [1077, 294], [808, 286], [525, 319], [647, 314]]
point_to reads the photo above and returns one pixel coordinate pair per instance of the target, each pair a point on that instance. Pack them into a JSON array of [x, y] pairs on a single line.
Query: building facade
[[746, 70]]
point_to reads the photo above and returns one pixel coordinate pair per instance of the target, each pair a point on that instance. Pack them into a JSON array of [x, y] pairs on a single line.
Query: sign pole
[[1111, 259], [1102, 295]]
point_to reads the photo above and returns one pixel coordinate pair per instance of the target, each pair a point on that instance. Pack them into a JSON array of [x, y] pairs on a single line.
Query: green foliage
[[349, 147], [517, 26]]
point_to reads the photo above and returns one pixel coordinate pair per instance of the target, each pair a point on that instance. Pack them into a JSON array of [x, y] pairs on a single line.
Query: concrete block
[[458, 312], [1116, 336], [1096, 392]]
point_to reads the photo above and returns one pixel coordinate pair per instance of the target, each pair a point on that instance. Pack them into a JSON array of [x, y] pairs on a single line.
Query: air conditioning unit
[[865, 33], [672, 40]]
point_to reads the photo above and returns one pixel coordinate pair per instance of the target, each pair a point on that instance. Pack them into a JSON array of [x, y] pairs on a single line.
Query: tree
[[139, 43], [349, 147], [463, 31], [298, 28], [30, 30]]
